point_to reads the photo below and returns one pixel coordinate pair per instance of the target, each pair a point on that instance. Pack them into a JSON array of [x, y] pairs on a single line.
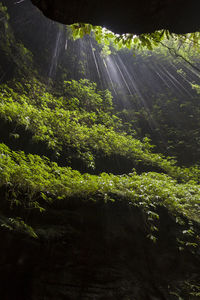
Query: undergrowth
[[30, 180]]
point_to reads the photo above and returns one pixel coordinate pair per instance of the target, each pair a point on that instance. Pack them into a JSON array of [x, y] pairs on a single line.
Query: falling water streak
[[123, 77], [95, 60], [54, 60], [109, 76]]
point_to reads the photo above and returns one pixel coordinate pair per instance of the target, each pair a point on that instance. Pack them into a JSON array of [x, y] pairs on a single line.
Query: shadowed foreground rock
[[97, 251], [137, 16]]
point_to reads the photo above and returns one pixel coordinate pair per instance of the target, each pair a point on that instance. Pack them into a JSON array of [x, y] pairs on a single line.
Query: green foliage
[[17, 224], [106, 37], [30, 180], [88, 133], [196, 87], [189, 288], [75, 123], [176, 132], [13, 51], [148, 41], [84, 94], [79, 120]]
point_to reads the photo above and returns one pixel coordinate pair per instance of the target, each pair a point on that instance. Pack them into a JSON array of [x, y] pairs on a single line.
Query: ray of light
[[109, 76], [95, 60], [54, 59]]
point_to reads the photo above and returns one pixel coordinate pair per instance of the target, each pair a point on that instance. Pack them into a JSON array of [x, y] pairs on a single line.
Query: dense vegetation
[[65, 137], [76, 125]]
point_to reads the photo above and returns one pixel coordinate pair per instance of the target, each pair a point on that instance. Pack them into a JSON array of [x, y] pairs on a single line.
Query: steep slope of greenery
[[77, 124], [81, 121], [28, 180], [76, 160]]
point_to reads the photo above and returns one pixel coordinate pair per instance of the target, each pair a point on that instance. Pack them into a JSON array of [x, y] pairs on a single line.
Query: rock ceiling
[[136, 16]]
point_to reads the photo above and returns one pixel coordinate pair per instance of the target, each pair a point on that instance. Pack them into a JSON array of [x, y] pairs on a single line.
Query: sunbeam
[[55, 56], [99, 153]]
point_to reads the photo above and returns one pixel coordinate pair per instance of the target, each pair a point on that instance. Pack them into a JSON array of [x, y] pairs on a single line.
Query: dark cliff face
[[138, 16], [96, 251]]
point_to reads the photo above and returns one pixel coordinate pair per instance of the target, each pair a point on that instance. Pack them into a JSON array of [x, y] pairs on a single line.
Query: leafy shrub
[[89, 133], [30, 180]]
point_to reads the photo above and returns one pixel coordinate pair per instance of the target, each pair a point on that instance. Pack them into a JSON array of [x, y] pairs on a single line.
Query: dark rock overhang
[[136, 16]]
